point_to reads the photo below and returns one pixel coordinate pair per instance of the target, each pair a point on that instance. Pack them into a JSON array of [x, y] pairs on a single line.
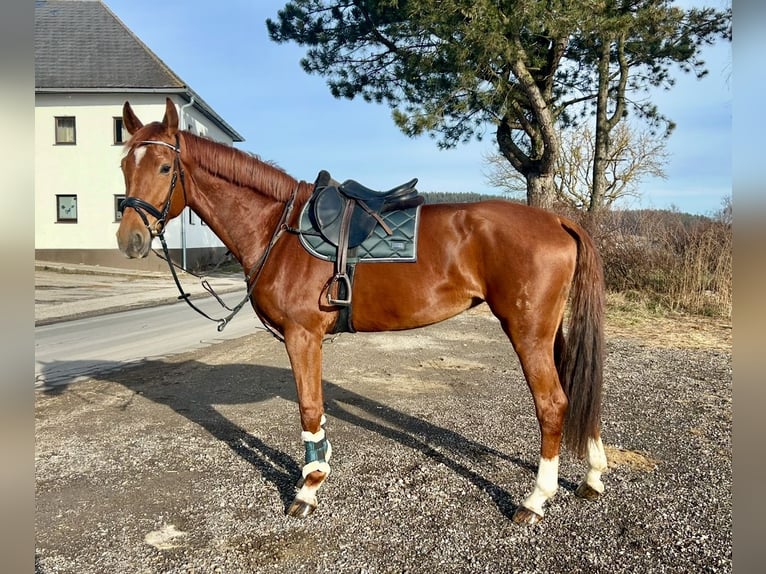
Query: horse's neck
[[242, 218]]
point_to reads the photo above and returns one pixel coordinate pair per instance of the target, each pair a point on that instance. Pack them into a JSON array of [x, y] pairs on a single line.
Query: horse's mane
[[228, 163]]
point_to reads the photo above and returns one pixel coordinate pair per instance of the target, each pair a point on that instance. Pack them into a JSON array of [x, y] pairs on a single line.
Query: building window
[[65, 130], [119, 134], [191, 218], [66, 208], [117, 213]]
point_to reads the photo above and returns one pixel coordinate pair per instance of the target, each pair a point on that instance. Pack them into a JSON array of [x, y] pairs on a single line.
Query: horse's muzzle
[[134, 244]]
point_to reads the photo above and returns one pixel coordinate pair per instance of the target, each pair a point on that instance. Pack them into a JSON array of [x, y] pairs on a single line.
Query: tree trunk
[[540, 190], [604, 122], [601, 144], [537, 161]]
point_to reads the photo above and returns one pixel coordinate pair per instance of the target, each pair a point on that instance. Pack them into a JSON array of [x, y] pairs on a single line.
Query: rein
[[158, 230]]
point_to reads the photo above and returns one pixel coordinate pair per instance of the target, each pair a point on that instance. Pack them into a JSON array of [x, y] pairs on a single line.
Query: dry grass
[[637, 319], [681, 262], [635, 460], [633, 318]]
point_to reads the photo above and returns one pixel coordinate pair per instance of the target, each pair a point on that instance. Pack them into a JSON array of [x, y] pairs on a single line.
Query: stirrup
[[341, 279]]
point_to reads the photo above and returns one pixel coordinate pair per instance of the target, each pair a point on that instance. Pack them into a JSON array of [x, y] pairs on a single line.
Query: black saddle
[[356, 190], [346, 214], [365, 206]]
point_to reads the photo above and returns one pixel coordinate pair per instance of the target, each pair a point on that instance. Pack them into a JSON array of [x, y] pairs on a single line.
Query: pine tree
[[451, 68]]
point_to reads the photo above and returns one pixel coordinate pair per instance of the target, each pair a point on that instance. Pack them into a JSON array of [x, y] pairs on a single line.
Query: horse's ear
[[170, 121], [129, 120]]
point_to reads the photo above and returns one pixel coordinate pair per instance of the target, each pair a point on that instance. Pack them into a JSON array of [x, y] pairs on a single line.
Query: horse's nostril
[[137, 244], [133, 244]]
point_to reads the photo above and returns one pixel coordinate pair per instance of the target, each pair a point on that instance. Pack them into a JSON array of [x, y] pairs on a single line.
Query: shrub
[[677, 260]]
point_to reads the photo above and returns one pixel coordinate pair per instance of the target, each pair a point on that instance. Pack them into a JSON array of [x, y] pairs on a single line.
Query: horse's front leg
[[305, 351]]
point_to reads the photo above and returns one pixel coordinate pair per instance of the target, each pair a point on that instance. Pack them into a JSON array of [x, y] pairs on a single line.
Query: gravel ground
[[187, 465]]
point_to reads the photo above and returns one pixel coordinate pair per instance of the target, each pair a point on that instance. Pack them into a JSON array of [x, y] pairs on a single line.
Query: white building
[[87, 64]]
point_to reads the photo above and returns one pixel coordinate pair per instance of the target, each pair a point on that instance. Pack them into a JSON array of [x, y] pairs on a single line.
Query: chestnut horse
[[525, 263]]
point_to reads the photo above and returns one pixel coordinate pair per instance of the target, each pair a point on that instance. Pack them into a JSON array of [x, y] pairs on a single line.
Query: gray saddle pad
[[401, 246]]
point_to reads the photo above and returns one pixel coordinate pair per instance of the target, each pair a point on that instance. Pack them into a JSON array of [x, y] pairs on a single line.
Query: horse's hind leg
[[534, 339], [592, 487], [305, 351], [550, 406]]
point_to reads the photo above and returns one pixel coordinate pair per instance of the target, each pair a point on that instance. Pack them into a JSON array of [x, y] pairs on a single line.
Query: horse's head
[[154, 186]]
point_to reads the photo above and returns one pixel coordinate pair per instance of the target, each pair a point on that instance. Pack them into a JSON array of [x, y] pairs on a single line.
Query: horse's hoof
[[301, 509], [525, 516], [587, 492]]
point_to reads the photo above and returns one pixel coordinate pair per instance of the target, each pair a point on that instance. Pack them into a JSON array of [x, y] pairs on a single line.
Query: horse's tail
[[581, 357]]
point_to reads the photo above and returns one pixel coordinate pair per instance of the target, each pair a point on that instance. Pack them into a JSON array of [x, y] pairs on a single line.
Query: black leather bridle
[[143, 207], [158, 230]]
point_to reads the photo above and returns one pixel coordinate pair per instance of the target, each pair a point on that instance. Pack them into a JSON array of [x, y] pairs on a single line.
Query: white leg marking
[[546, 485], [597, 462], [308, 495]]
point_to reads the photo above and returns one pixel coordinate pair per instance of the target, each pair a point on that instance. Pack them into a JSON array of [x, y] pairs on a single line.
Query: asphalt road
[[74, 350]]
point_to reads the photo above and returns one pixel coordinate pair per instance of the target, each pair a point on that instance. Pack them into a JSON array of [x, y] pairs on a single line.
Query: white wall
[[90, 169]]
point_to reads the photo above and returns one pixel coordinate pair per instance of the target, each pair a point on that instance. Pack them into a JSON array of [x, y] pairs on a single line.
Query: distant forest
[[629, 215], [465, 197]]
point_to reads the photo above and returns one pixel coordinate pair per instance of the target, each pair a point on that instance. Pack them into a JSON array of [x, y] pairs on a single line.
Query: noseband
[[143, 207]]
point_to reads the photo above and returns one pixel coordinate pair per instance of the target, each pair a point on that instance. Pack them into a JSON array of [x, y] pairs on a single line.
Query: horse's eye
[[165, 168]]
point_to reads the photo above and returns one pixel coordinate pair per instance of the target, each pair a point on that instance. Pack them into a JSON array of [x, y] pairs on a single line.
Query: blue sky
[[222, 51]]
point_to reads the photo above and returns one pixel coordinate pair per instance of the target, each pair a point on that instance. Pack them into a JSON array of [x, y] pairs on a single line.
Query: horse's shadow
[[191, 389]]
